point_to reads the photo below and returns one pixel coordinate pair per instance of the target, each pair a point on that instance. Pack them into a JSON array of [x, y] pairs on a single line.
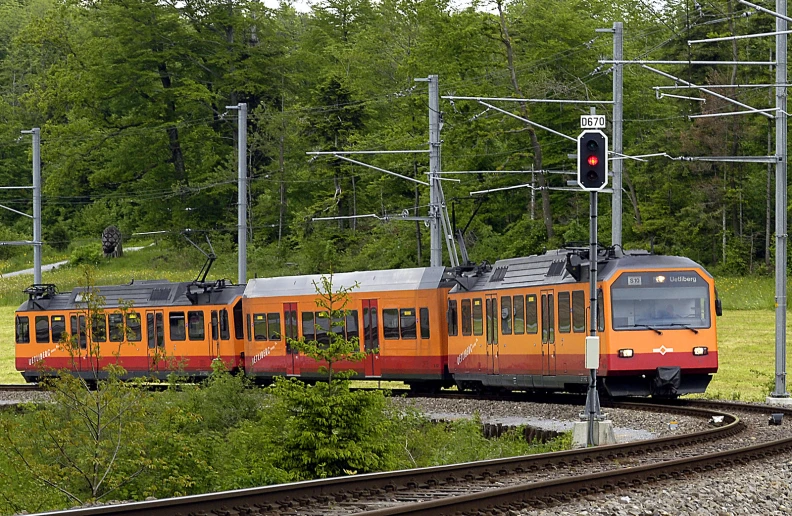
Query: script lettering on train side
[[466, 353], [41, 356], [261, 354]]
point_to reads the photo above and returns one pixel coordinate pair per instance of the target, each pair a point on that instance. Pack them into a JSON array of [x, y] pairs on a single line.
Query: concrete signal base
[[603, 433]]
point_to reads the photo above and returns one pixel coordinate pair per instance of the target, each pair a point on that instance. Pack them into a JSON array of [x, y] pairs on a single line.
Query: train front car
[[151, 328], [660, 336], [397, 315]]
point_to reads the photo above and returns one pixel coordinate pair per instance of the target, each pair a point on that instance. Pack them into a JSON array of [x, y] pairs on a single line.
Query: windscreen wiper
[[694, 330], [647, 327]]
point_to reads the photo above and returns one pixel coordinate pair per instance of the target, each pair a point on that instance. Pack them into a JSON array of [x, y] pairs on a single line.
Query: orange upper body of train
[[520, 325]]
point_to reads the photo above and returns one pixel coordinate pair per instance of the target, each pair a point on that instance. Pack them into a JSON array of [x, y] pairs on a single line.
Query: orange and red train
[[519, 324]]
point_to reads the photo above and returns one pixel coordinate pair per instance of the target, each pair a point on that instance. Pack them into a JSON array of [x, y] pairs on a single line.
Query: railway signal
[[592, 155]]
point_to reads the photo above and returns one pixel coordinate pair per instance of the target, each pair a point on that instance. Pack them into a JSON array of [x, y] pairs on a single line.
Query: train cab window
[[519, 315], [178, 331], [531, 321], [260, 326], [195, 325], [134, 327], [116, 327], [390, 323], [578, 312], [467, 327], [506, 315], [564, 313], [274, 326], [42, 329], [424, 315], [98, 328], [323, 328], [478, 317], [239, 325], [58, 327], [407, 323], [225, 333], [451, 315], [308, 328], [352, 329], [22, 329]]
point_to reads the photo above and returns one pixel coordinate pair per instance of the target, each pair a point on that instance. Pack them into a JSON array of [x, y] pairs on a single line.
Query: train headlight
[[700, 351], [625, 353]]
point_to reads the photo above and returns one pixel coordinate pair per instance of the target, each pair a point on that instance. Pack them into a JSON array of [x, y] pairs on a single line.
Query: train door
[[290, 332], [548, 333], [371, 338], [81, 351], [155, 338], [214, 335], [491, 309]]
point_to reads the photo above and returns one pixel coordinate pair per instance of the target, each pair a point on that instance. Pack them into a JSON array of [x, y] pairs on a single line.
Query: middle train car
[[397, 315], [521, 325]]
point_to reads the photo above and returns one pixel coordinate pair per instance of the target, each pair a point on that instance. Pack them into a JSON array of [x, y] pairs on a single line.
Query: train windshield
[[678, 299]]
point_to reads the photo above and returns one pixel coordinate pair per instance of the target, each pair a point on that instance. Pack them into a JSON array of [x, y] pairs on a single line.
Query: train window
[[116, 327], [531, 321], [260, 326], [308, 327], [491, 310], [451, 315], [273, 326], [564, 314], [42, 329], [239, 329], [506, 315], [98, 328], [390, 323], [22, 330], [352, 329], [545, 332], [58, 327], [467, 327], [225, 334], [519, 315], [195, 325], [551, 318], [578, 312], [424, 314], [155, 327], [600, 311], [290, 320], [323, 328], [249, 330], [478, 317], [370, 326], [134, 327], [337, 327], [79, 330], [177, 326], [407, 323]]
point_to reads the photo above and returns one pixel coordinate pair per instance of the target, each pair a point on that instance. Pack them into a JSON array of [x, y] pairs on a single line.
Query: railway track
[[496, 486]]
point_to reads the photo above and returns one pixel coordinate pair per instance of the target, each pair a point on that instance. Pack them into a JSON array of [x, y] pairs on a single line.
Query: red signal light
[[593, 161]]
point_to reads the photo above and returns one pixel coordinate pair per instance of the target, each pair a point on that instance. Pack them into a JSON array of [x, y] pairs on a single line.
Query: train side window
[[196, 326], [478, 317], [506, 313], [407, 323], [338, 327], [424, 315], [545, 333], [352, 327], [551, 318], [249, 329], [116, 327], [531, 321], [273, 326], [98, 328], [42, 329], [225, 334], [519, 315], [323, 330], [134, 327], [451, 315], [467, 327], [260, 326], [22, 329], [600, 311], [58, 327], [155, 326], [178, 331], [564, 314], [390, 323], [578, 312], [82, 339], [290, 321], [239, 328], [308, 327]]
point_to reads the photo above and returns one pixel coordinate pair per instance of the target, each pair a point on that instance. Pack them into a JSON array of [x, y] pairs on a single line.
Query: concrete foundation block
[[603, 433], [784, 402]]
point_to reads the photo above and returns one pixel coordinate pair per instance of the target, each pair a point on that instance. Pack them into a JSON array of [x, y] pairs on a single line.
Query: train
[[519, 324]]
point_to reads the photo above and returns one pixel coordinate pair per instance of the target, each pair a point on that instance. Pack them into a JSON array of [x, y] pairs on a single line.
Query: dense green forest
[[131, 97]]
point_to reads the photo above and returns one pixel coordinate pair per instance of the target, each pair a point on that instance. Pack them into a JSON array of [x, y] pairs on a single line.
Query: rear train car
[[166, 327], [397, 315], [521, 324]]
